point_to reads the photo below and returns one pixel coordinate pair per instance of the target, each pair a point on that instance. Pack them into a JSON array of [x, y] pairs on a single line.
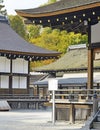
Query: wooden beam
[[96, 50], [10, 78], [28, 77], [90, 59], [90, 69]]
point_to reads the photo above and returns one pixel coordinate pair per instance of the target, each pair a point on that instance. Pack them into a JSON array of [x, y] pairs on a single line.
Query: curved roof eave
[[52, 54], [73, 60], [45, 12], [12, 43]]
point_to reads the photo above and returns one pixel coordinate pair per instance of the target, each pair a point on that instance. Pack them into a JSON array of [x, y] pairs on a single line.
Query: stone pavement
[[33, 120]]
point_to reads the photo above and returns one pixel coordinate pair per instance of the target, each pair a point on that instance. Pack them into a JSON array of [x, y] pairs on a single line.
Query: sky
[[11, 5]]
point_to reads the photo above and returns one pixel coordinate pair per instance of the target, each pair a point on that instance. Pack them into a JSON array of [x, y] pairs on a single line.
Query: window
[[20, 65], [19, 82], [4, 64], [4, 81]]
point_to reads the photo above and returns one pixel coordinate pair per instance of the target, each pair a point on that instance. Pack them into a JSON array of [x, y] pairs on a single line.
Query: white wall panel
[[15, 82], [23, 82], [4, 64], [95, 33], [19, 66], [19, 82], [25, 66], [4, 81]]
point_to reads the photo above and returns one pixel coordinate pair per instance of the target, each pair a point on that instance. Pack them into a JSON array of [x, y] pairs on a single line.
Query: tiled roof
[[74, 59], [11, 42], [65, 14], [60, 5], [79, 80], [74, 80]]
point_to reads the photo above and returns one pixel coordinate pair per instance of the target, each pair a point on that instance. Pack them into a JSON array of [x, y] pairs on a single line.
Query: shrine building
[[15, 57]]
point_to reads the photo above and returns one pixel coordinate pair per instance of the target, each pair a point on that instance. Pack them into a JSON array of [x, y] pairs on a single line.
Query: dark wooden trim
[[69, 70], [4, 73], [37, 90], [0, 82], [20, 74], [10, 78], [28, 77], [14, 74]]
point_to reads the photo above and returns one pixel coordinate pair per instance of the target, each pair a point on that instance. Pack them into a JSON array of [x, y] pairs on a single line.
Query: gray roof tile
[[60, 5], [11, 41]]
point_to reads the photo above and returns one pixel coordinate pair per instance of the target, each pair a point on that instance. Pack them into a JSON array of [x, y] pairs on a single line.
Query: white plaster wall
[[4, 81], [4, 64], [19, 66], [19, 82], [95, 33], [23, 82]]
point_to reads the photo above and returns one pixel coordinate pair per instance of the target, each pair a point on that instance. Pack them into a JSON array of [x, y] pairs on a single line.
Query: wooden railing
[[60, 94], [21, 96], [75, 94]]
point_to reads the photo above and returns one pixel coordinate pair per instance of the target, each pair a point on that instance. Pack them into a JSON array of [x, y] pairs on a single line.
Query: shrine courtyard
[[33, 120]]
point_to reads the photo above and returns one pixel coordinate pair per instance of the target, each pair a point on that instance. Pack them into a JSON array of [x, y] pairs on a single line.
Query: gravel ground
[[33, 120]]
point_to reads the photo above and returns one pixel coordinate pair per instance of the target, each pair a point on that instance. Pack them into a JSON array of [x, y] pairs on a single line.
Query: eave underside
[[68, 70], [70, 21], [55, 9], [27, 56], [13, 46]]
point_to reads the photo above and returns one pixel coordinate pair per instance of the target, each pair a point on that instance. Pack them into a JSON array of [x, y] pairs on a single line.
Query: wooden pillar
[[37, 90], [90, 68], [90, 60], [28, 77], [10, 78], [72, 113]]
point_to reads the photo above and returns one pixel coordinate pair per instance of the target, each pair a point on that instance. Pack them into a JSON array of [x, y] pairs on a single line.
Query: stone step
[[96, 125], [4, 106]]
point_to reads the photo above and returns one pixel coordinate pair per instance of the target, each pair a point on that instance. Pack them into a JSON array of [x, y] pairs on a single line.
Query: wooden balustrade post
[[95, 104], [72, 113]]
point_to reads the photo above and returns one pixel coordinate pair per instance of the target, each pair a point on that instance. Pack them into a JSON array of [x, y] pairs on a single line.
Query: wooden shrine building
[[15, 57], [72, 15], [77, 16]]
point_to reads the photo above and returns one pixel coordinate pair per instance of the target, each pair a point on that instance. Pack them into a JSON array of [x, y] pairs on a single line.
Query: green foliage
[[40, 63], [2, 10], [33, 31], [58, 40], [17, 24], [48, 38], [51, 1]]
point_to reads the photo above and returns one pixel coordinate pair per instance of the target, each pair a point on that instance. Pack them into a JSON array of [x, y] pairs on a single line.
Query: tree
[[17, 24], [2, 10], [51, 1], [54, 39], [33, 31]]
